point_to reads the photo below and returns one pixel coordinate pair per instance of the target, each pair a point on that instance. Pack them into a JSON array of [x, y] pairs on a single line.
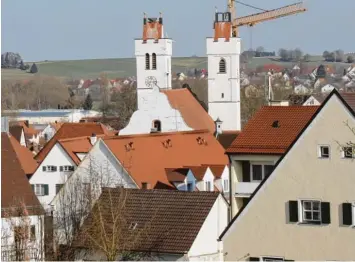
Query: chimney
[[218, 126], [93, 139]]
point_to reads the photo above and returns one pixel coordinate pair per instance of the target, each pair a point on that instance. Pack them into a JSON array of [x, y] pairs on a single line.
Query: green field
[[124, 67]]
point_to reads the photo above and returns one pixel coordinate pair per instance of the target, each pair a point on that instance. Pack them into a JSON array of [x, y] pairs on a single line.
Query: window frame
[[208, 182], [224, 181], [320, 153], [49, 168], [32, 233], [301, 211], [222, 64], [67, 168], [41, 189], [192, 186], [344, 153], [262, 164]]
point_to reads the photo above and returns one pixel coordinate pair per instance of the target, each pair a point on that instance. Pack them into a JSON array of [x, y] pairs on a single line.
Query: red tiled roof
[[198, 171], [191, 110], [166, 221], [259, 135], [25, 156], [227, 137], [217, 170], [15, 187], [72, 130], [149, 157], [176, 174], [28, 130]]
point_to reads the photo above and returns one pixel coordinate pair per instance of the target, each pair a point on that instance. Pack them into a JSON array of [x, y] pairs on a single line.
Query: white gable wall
[[207, 177], [23, 138], [206, 247], [56, 157], [155, 106]]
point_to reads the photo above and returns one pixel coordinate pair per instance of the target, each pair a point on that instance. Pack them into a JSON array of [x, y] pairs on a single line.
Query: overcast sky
[[84, 29]]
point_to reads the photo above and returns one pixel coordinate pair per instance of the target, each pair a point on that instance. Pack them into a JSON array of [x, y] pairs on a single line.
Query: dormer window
[[147, 61], [222, 66], [154, 61], [208, 186]]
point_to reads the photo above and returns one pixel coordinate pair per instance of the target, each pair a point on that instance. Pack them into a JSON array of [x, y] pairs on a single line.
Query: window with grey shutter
[[54, 168], [246, 171], [44, 168], [325, 209], [293, 211], [61, 168], [347, 214], [46, 190]]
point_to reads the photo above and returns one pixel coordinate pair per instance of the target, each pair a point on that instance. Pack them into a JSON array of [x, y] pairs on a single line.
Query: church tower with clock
[[153, 59], [223, 52]]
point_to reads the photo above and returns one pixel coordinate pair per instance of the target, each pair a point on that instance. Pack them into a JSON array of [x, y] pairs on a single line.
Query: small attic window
[[276, 124], [132, 226]]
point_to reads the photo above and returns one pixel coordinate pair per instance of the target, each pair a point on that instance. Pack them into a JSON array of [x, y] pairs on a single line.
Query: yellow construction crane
[[266, 15]]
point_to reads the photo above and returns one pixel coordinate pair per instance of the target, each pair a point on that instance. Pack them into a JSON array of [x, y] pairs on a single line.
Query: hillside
[[123, 67]]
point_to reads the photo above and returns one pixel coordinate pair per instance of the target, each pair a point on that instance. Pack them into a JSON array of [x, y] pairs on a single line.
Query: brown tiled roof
[[71, 130], [167, 221], [198, 171], [227, 137], [176, 174], [16, 132], [25, 157], [28, 130], [151, 154], [350, 99], [77, 145], [217, 170], [15, 187], [191, 110], [259, 136]]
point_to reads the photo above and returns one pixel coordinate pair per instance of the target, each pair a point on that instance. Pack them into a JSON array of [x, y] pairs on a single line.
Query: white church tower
[[153, 59], [223, 53]]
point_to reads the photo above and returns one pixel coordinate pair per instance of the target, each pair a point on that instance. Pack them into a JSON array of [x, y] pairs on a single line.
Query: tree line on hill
[[14, 61], [337, 56]]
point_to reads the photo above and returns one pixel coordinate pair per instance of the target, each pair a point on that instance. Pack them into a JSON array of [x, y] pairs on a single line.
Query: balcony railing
[[245, 189], [12, 254]]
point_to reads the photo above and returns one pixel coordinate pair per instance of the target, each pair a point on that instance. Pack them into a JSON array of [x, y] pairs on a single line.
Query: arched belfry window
[[222, 66], [147, 61], [154, 61], [157, 125]]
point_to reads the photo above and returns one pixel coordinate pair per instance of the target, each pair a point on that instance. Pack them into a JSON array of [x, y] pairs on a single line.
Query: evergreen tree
[[33, 69], [87, 103]]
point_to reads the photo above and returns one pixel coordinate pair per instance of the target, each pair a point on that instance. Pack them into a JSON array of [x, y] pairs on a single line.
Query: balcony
[[245, 189]]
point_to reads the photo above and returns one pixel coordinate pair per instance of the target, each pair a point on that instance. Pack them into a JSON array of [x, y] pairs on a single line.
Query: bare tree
[[22, 236]]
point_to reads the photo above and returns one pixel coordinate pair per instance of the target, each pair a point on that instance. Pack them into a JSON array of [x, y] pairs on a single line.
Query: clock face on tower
[[151, 81]]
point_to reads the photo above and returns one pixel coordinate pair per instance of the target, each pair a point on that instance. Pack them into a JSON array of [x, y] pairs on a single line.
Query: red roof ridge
[[78, 138], [201, 131]]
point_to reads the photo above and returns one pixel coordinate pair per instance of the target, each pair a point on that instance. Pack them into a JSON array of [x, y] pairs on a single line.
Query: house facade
[[312, 209]]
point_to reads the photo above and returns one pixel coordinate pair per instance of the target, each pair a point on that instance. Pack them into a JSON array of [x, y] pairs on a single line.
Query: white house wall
[[56, 157], [206, 247], [7, 232], [155, 106]]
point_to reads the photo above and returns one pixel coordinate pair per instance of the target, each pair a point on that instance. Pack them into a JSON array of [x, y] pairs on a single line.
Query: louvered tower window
[[222, 66], [147, 61]]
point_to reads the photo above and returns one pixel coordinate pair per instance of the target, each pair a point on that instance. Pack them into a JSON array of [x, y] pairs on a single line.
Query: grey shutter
[[246, 171], [46, 190], [293, 210], [325, 209], [347, 214], [72, 168], [61, 168], [44, 168], [55, 169]]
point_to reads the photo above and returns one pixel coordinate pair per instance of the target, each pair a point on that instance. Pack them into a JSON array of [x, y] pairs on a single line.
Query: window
[[157, 125], [33, 233], [308, 211], [66, 168], [49, 169], [226, 185], [208, 186], [190, 186], [40, 189], [46, 137], [323, 152], [348, 152], [271, 259], [311, 211], [154, 61], [222, 66], [58, 187], [222, 95], [260, 171], [132, 226], [348, 210], [147, 61]]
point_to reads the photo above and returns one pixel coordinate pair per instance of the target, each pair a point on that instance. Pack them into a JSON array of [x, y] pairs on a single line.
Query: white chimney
[[218, 126], [93, 139]]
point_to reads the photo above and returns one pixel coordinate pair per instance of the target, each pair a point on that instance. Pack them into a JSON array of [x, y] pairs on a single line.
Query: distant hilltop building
[[50, 115]]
